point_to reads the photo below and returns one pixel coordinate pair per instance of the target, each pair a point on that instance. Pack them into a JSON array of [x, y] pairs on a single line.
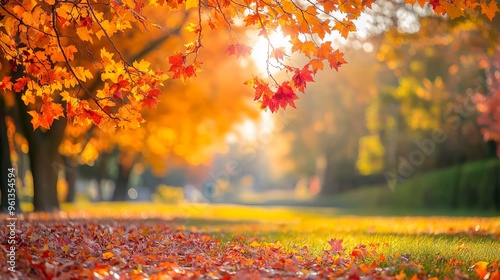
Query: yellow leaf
[[66, 96], [142, 65], [107, 255], [82, 73], [84, 34], [106, 58], [193, 27], [481, 269], [28, 97], [191, 4]]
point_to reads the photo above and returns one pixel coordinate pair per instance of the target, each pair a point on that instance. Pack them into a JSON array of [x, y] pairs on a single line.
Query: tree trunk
[[330, 184], [121, 185], [339, 176], [5, 165], [102, 173], [44, 176], [43, 153], [70, 171]]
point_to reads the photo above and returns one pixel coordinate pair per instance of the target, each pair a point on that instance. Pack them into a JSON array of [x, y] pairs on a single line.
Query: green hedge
[[474, 185]]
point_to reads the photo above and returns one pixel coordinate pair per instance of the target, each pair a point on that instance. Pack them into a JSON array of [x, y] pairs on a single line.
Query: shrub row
[[474, 185]]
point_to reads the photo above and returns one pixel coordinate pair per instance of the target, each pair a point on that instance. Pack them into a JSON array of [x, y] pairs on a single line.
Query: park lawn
[[240, 241]]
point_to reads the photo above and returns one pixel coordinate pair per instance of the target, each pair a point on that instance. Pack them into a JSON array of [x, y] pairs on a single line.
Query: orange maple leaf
[[325, 50], [35, 119], [490, 10], [344, 27], [6, 83], [278, 53], [359, 251], [308, 48], [316, 65], [48, 113], [495, 275], [336, 60], [261, 88], [330, 6], [481, 269], [454, 10], [368, 3]]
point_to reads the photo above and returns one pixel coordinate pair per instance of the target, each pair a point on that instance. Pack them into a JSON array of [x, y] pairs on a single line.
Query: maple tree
[[48, 46], [40, 40], [184, 129], [487, 104]]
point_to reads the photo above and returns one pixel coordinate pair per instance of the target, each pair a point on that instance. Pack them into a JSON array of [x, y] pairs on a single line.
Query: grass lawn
[[268, 242]]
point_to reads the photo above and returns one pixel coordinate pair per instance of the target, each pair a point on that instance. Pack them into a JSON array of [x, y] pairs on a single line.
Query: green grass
[[426, 239]]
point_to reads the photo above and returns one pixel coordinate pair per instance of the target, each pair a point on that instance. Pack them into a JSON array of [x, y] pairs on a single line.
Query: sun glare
[[253, 130], [262, 50]]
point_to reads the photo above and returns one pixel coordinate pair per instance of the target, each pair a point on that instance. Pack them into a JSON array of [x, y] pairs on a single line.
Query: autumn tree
[[440, 71], [6, 164], [185, 128], [48, 46]]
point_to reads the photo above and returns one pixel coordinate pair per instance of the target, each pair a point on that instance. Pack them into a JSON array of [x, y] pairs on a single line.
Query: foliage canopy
[[49, 48]]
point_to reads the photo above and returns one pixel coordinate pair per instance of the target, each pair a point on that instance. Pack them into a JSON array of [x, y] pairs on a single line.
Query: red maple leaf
[[151, 98], [189, 71], [13, 65], [283, 97], [239, 50], [86, 21], [92, 115], [176, 61], [180, 70], [301, 78], [268, 102], [116, 89], [434, 4], [336, 245], [21, 83]]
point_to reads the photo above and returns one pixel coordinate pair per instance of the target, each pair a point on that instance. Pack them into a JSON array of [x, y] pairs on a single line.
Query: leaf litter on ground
[[135, 248]]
